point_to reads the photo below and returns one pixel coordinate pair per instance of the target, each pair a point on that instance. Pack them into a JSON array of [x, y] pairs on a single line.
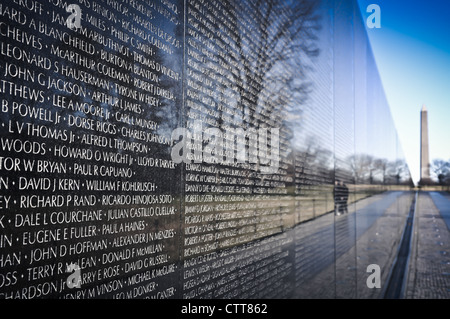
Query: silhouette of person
[[344, 199], [337, 194]]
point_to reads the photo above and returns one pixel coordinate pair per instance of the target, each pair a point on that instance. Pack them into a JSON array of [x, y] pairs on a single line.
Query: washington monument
[[424, 147]]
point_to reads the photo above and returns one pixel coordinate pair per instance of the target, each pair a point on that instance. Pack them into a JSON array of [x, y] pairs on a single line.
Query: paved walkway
[[332, 253], [429, 265]]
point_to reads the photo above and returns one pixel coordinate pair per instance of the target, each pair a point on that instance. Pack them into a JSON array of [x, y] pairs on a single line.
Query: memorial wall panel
[[190, 149], [235, 193], [344, 145], [90, 188]]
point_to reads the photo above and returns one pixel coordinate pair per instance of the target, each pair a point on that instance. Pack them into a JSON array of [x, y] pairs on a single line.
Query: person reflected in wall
[[337, 194], [345, 192]]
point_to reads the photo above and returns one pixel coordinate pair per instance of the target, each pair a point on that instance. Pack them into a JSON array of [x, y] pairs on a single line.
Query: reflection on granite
[[192, 149]]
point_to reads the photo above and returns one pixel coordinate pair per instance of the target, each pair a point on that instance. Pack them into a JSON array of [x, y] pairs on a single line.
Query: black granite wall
[[189, 149]]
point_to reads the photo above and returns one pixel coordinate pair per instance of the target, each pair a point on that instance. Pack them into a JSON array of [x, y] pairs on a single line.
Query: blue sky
[[412, 52]]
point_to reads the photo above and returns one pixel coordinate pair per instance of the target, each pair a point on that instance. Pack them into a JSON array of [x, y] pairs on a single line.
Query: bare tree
[[273, 57], [381, 165], [257, 58], [399, 171], [441, 169], [362, 168]]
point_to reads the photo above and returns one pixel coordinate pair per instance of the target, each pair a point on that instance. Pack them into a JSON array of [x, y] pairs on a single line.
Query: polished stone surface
[[192, 149]]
